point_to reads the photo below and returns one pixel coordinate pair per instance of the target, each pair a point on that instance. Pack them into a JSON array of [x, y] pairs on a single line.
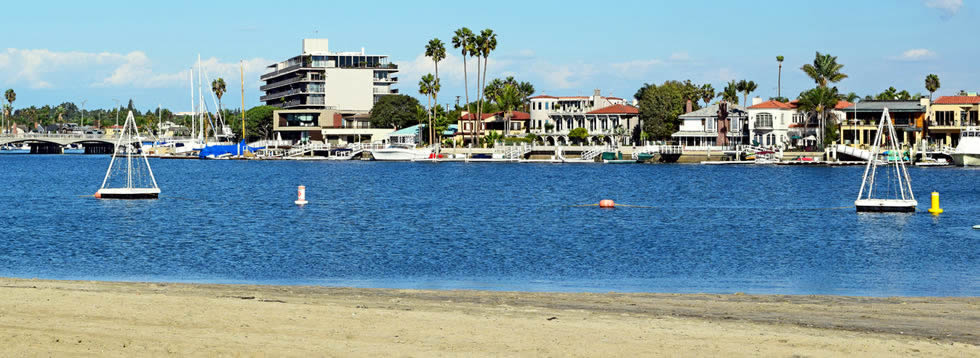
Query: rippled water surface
[[490, 226]]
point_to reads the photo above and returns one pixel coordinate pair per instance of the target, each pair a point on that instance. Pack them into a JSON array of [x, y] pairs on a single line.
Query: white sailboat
[[128, 179], [902, 200]]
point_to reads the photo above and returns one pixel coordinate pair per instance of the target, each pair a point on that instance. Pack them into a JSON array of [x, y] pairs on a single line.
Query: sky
[[101, 52]]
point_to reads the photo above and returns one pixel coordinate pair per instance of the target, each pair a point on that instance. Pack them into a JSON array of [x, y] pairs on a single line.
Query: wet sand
[[41, 317]]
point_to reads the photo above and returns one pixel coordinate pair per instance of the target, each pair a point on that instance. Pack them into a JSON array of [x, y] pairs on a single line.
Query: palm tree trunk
[[779, 81], [429, 99], [435, 98], [479, 103], [486, 61], [466, 86]]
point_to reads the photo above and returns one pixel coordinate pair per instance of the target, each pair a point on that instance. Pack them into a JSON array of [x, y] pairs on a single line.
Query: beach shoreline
[[125, 318]]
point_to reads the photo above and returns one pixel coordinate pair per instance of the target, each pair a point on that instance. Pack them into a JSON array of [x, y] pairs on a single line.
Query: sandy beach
[[41, 317]]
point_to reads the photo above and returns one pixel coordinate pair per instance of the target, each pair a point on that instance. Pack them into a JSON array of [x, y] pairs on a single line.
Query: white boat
[[968, 151], [931, 162], [401, 152], [894, 178]]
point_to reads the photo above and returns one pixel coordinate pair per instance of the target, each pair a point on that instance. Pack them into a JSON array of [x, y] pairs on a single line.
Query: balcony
[[763, 124], [291, 92], [284, 83], [279, 72]]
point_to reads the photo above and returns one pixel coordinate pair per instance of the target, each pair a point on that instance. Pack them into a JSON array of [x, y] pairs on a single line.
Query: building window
[[763, 120]]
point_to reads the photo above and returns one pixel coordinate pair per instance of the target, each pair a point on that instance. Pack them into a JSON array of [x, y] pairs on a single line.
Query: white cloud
[[680, 56], [43, 68], [635, 67], [916, 54], [950, 7]]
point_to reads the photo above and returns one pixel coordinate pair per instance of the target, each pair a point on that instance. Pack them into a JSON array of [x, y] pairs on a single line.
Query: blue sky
[[71, 51]]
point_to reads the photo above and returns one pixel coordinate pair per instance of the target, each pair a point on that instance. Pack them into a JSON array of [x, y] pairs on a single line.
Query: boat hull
[[400, 154], [966, 160], [128, 193], [885, 206]]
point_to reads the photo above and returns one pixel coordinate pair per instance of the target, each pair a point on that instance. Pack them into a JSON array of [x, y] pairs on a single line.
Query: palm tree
[[707, 93], [486, 43], [7, 109], [427, 86], [527, 90], [779, 81], [824, 69], [60, 111], [437, 51], [508, 99], [463, 39], [730, 93], [10, 96], [932, 85], [218, 86], [746, 87], [819, 101]]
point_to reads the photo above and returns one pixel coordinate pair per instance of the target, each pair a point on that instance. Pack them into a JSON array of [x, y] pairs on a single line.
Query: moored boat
[[968, 151]]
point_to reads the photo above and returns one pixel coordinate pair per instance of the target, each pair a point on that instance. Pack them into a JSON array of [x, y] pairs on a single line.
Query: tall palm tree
[[7, 111], [218, 86], [437, 51], [486, 43], [427, 86], [60, 111], [527, 90], [463, 40], [508, 99], [707, 93], [730, 93], [932, 85], [10, 96], [779, 81], [819, 101], [824, 69]]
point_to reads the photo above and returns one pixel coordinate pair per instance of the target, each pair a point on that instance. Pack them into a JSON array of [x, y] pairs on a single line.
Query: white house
[[700, 128], [553, 117], [781, 125]]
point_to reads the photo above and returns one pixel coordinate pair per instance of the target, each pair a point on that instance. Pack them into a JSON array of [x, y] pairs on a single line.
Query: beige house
[[325, 126], [948, 115]]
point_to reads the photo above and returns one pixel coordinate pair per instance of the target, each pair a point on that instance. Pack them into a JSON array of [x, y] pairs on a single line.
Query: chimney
[[596, 93], [756, 100], [689, 107]]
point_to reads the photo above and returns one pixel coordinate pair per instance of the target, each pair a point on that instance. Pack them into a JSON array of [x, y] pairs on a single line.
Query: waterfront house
[[606, 119], [703, 129], [492, 122], [325, 126], [861, 121], [781, 124], [948, 116]]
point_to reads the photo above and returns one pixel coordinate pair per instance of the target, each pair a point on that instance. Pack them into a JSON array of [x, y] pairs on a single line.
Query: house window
[[763, 120]]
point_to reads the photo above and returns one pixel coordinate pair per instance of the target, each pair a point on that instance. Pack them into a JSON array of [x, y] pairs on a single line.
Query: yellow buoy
[[935, 210]]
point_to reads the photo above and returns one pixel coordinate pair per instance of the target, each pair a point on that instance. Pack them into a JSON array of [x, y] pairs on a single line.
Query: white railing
[[307, 148]]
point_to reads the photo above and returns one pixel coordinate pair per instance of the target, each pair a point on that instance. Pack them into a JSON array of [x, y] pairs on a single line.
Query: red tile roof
[[616, 98], [958, 100], [616, 109], [543, 96], [773, 104], [517, 116], [843, 104]]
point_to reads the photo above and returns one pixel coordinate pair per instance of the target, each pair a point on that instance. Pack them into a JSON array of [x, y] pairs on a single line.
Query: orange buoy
[[98, 195], [606, 203]]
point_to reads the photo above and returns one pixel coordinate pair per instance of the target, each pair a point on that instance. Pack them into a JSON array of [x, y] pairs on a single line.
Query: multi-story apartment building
[[605, 118], [325, 96], [349, 82]]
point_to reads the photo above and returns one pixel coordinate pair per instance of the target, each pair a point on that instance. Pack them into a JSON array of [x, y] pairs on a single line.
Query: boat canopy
[[235, 149]]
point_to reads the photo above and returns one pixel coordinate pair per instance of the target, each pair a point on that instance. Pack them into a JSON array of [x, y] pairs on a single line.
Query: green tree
[[779, 99], [850, 97], [819, 102], [824, 70], [660, 107], [779, 80], [486, 43], [437, 51], [932, 85], [463, 39], [746, 87], [394, 111], [428, 86], [258, 123], [889, 94], [730, 93], [578, 134], [508, 99], [219, 89], [707, 93], [60, 112], [10, 96]]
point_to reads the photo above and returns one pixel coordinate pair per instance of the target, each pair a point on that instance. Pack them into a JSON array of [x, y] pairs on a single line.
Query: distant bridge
[[42, 143]]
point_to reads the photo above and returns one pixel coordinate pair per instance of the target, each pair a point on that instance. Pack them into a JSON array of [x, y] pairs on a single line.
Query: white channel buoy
[[301, 195]]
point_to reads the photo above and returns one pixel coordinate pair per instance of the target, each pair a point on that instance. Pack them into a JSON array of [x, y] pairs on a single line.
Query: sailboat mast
[[129, 156], [200, 98], [241, 67], [190, 76]]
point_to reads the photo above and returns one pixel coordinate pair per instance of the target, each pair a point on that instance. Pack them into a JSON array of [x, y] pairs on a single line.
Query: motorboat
[[968, 151], [401, 152]]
